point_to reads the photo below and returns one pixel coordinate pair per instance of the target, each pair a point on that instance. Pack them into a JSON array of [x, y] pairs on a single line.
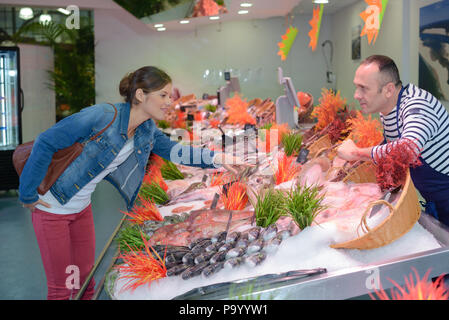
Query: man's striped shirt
[[423, 119]]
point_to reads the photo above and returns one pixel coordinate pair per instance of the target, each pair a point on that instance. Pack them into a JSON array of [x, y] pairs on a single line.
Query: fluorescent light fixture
[[64, 11], [44, 18], [214, 18], [12, 73], [184, 21], [246, 4], [320, 1], [243, 12], [161, 29], [26, 13], [158, 25]]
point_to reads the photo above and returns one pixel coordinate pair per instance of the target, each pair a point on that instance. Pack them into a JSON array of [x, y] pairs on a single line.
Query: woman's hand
[[32, 206], [231, 163]]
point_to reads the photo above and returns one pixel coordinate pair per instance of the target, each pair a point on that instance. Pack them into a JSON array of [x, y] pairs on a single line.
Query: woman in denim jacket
[[62, 218]]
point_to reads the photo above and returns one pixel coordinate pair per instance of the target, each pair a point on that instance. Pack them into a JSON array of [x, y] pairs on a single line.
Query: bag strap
[[104, 129]]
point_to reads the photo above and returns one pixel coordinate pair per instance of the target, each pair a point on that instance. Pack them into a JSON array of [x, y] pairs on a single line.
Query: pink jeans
[[67, 246]]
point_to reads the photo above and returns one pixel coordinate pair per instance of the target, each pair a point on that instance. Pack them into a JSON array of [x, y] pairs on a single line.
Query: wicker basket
[[402, 218], [320, 145], [364, 173], [306, 117]]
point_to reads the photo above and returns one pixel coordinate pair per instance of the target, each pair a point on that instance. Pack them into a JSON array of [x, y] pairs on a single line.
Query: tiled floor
[[22, 274]]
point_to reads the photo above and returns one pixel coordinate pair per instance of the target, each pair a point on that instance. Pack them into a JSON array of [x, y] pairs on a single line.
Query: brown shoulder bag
[[60, 161]]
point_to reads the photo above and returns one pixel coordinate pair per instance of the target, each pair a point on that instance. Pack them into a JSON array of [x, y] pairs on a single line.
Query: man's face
[[368, 90]]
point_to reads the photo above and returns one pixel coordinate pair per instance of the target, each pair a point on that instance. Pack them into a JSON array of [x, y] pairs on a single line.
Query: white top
[[423, 119], [82, 198]]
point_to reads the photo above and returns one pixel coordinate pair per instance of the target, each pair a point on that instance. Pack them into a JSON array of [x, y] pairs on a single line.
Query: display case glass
[[9, 98]]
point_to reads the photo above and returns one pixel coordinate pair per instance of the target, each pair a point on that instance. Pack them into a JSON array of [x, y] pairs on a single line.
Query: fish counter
[[321, 272], [299, 223], [358, 272]]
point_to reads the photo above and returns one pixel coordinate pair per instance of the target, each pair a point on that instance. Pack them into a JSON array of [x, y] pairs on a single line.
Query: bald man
[[406, 113]]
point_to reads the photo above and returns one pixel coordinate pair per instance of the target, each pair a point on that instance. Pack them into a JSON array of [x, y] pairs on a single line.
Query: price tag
[[249, 127], [302, 156], [215, 201], [226, 141]]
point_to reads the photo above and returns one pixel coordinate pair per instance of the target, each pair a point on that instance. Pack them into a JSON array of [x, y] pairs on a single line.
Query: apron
[[433, 185]]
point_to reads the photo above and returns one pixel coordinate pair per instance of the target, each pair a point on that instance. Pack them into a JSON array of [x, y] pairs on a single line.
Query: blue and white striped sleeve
[[420, 123]]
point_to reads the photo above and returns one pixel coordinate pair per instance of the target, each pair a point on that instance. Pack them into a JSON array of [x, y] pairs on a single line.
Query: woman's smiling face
[[155, 103]]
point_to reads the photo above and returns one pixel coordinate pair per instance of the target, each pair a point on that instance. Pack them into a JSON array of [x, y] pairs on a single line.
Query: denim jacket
[[98, 154]]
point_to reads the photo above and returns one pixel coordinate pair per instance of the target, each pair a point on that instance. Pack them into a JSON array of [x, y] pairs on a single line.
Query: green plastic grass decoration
[[170, 171], [292, 143], [303, 204], [153, 192], [269, 207], [129, 238]]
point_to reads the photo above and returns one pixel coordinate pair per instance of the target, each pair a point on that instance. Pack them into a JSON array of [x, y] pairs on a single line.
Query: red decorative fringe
[[391, 169]]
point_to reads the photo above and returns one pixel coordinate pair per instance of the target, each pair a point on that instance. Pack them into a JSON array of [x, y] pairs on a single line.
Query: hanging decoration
[[287, 41], [205, 8], [373, 16], [315, 23]]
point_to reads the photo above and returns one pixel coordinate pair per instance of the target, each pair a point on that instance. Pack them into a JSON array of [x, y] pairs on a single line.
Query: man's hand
[[32, 206], [348, 151]]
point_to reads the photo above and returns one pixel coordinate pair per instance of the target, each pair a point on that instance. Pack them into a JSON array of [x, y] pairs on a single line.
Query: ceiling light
[[159, 25], [214, 18], [246, 4], [184, 21], [26, 13], [320, 1], [161, 29], [44, 18], [243, 12], [64, 11]]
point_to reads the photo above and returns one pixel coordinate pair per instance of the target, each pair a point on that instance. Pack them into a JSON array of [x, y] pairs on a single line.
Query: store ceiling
[[261, 9], [306, 6]]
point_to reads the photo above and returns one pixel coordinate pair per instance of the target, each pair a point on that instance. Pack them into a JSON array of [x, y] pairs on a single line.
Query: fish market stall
[[353, 274], [300, 223], [349, 272]]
